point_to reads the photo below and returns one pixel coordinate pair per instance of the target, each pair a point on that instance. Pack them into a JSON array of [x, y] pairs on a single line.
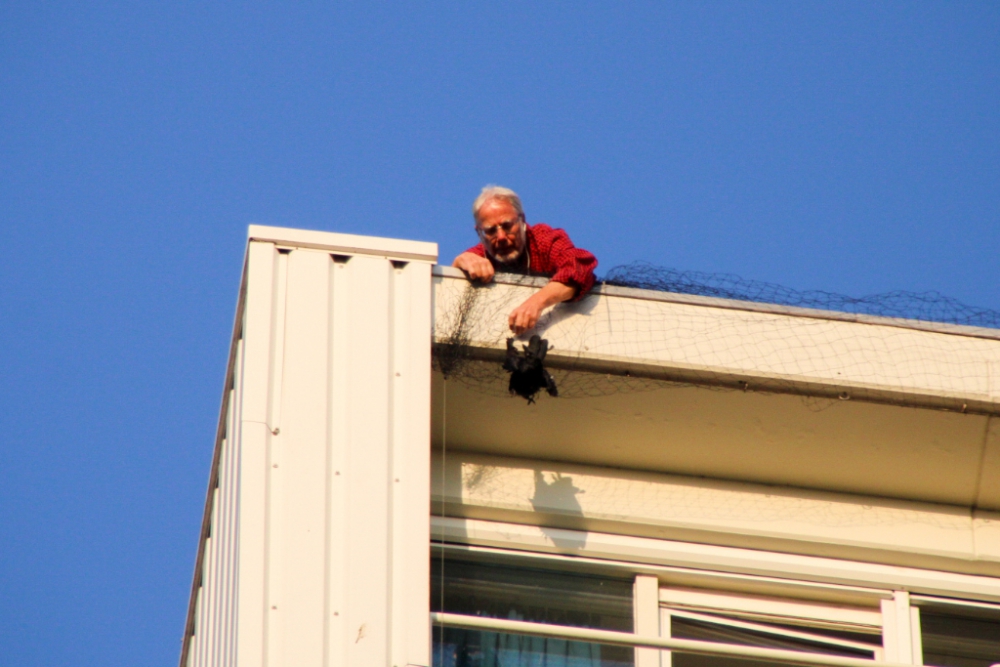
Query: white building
[[718, 481]]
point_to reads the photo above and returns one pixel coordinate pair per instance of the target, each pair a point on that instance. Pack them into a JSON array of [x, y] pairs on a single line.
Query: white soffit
[[846, 446]]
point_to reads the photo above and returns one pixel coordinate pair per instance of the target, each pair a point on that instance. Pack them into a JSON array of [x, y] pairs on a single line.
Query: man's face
[[500, 229]]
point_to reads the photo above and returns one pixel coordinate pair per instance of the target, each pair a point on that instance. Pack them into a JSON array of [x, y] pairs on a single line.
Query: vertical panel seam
[[279, 287], [328, 444], [391, 471]]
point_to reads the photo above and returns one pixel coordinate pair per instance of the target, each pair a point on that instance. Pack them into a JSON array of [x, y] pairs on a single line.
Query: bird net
[[645, 327], [916, 306]]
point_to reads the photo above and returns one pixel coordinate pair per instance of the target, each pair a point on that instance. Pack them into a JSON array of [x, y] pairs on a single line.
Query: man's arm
[[572, 271], [525, 316], [563, 261], [475, 266]]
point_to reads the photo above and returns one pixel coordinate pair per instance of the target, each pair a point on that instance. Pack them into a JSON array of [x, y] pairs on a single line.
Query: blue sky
[[849, 146]]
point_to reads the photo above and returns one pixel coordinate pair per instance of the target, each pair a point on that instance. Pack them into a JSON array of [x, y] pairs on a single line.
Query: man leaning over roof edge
[[509, 244]]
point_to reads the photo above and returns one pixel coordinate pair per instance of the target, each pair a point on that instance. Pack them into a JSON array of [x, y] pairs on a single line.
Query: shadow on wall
[[560, 493]]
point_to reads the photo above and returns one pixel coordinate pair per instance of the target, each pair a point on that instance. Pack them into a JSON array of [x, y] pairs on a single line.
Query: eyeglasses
[[507, 227]]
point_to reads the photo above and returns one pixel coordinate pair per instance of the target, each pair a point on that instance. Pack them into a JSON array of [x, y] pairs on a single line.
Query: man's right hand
[[478, 269]]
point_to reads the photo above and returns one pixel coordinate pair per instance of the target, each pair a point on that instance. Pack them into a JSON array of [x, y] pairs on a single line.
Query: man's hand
[[476, 268], [525, 316]]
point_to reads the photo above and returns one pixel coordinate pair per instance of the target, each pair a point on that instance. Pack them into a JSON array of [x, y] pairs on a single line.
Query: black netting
[[921, 306]]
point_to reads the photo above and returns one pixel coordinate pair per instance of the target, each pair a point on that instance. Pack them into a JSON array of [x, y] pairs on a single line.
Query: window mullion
[[898, 630], [646, 615]]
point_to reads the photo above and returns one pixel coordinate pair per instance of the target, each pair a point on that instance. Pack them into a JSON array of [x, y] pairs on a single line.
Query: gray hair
[[496, 192]]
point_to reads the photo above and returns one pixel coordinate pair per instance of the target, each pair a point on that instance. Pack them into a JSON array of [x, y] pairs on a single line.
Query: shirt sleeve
[[573, 266], [476, 250]]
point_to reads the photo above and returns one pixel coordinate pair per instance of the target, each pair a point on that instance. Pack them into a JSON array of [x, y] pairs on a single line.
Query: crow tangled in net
[[527, 375]]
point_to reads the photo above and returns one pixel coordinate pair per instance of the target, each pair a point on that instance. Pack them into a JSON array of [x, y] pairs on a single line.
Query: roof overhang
[[745, 391]]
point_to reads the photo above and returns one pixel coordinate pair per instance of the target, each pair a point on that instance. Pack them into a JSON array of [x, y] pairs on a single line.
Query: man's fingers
[[479, 269], [512, 322], [521, 319], [485, 270]]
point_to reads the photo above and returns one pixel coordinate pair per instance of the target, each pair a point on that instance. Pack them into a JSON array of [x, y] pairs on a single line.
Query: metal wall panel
[[214, 619], [317, 552]]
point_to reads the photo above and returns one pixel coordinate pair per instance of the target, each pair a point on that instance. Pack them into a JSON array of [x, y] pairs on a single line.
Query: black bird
[[527, 375]]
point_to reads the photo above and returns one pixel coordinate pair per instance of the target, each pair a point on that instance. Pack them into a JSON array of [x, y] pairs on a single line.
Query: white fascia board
[[348, 244], [751, 306], [767, 348]]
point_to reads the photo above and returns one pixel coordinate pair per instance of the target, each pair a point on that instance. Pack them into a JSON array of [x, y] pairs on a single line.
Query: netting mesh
[[918, 306], [623, 340]]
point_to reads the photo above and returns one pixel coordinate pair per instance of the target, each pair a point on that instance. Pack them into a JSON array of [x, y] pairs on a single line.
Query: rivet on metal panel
[[337, 472], [397, 479], [274, 606], [397, 374], [275, 431], [275, 465]]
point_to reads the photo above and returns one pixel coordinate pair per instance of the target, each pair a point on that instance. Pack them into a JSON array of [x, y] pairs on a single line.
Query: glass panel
[[523, 594], [956, 637], [685, 628]]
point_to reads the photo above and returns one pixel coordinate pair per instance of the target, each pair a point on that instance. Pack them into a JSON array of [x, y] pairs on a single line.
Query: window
[[766, 623], [482, 588], [960, 635], [743, 611]]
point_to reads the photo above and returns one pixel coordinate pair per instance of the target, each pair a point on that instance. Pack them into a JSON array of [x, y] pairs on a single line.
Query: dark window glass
[[524, 594], [684, 628], [957, 637]]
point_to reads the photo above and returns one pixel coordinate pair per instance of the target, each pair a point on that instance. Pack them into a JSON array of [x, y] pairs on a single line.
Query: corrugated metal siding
[[319, 523], [214, 640]]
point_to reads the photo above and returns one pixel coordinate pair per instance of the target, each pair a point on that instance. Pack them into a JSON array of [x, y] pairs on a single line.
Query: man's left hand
[[525, 316]]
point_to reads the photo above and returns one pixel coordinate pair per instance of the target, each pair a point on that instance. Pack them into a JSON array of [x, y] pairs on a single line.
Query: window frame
[[676, 603], [735, 571]]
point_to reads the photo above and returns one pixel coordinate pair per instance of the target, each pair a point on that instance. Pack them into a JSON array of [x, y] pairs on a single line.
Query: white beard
[[509, 257]]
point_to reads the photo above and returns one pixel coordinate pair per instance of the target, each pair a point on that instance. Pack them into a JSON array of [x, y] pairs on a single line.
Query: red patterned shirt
[[551, 253]]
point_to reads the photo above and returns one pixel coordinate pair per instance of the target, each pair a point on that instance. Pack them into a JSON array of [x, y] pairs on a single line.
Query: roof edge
[[350, 244], [749, 306]]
